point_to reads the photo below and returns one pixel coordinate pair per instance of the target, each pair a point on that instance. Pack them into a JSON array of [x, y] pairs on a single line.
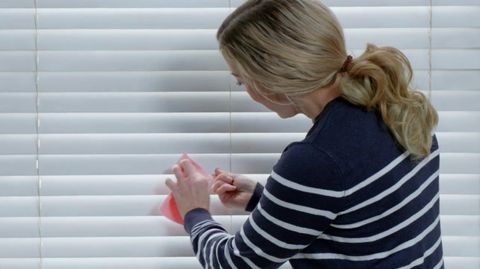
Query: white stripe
[[427, 253], [205, 246], [299, 187], [211, 250], [245, 259], [305, 209], [219, 242], [378, 174], [199, 243], [394, 187], [380, 255], [409, 198], [388, 232], [258, 250], [271, 238], [227, 253], [439, 264], [286, 225], [198, 227], [339, 194]]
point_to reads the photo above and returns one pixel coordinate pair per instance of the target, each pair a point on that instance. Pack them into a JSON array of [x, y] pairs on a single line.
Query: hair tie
[[346, 64]]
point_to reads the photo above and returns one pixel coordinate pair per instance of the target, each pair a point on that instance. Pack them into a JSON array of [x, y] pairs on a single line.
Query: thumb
[[170, 184]]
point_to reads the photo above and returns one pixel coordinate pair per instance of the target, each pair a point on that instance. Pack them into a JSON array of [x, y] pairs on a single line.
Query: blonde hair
[[296, 47]]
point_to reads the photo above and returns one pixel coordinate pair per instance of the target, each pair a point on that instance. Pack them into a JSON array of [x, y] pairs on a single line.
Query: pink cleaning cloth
[[168, 207]]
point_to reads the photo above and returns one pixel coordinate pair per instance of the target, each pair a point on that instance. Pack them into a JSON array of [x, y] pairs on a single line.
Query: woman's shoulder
[[304, 163]]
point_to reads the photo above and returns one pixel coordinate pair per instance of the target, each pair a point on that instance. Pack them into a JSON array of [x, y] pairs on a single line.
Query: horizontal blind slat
[[456, 16], [178, 81], [17, 123], [67, 247], [451, 142], [204, 39], [141, 123], [17, 18], [109, 164], [187, 102], [17, 165], [142, 81], [104, 226], [154, 184], [168, 262], [17, 39], [146, 205], [210, 3], [204, 18], [17, 61]]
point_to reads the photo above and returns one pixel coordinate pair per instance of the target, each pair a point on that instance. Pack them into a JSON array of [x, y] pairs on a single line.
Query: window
[[98, 98]]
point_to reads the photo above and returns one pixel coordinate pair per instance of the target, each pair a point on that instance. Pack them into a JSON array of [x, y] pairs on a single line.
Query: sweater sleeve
[[257, 193], [302, 196]]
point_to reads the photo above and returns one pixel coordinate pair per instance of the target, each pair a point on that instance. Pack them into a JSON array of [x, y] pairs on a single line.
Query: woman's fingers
[[216, 172], [219, 171], [225, 178], [215, 186], [187, 166], [178, 173], [221, 186], [226, 187], [170, 184]]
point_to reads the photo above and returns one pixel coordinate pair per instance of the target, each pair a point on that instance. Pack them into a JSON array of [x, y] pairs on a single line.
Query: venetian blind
[[100, 97]]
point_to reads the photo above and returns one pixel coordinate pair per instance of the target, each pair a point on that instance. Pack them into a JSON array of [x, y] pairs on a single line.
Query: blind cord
[[230, 122], [37, 127], [430, 21]]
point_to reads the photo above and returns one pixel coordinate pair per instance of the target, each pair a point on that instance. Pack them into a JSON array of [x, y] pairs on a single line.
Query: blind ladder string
[[37, 127]]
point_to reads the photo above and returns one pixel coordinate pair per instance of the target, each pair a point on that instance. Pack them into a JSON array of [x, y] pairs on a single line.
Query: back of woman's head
[[297, 46]]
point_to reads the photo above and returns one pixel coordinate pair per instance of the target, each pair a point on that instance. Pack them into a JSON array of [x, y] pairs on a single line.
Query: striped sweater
[[346, 196]]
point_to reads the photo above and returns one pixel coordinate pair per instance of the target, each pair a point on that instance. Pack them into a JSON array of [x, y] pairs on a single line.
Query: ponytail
[[380, 79]]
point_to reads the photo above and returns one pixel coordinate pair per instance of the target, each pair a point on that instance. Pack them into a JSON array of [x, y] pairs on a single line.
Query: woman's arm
[[285, 220]]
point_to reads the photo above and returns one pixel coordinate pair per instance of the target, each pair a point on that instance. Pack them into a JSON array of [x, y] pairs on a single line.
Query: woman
[[360, 190]]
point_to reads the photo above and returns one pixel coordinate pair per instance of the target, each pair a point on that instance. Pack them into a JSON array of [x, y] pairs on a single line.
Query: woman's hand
[[232, 189], [191, 189]]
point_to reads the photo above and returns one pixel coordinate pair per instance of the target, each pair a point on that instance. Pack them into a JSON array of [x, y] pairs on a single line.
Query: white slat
[[17, 165], [175, 81], [17, 18], [204, 18], [105, 61], [456, 16], [154, 184], [135, 102], [122, 164], [17, 123], [132, 18], [16, 4], [118, 226], [17, 82], [130, 4], [17, 39], [168, 39], [148, 205], [19, 248], [17, 61], [129, 143]]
